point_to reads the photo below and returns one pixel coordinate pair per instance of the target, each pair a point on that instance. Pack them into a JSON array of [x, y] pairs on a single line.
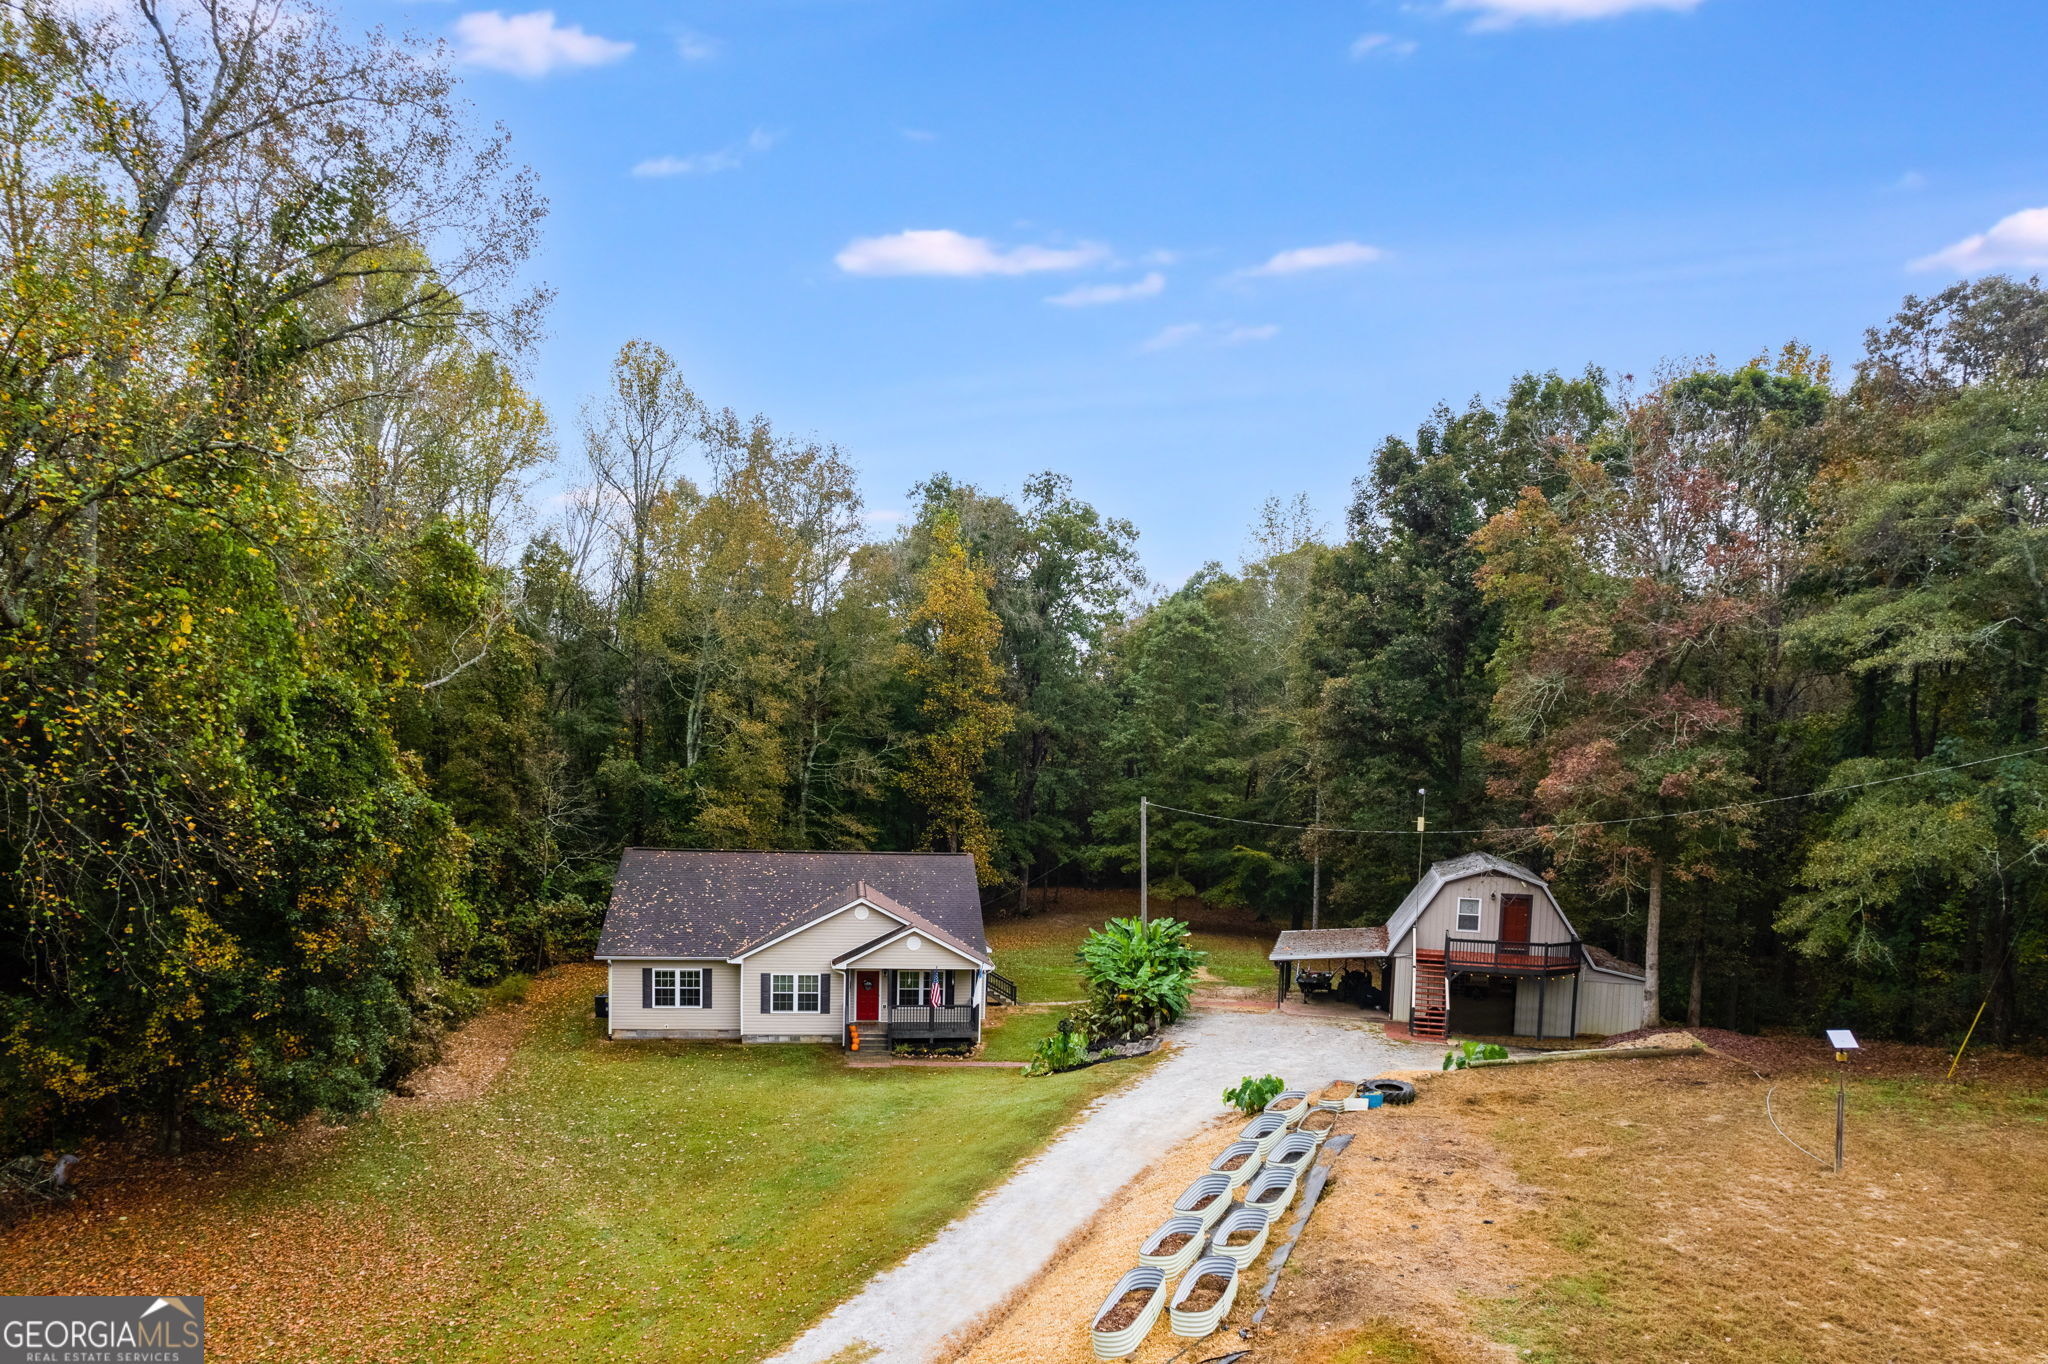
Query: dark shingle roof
[[668, 903], [1317, 944], [1607, 961]]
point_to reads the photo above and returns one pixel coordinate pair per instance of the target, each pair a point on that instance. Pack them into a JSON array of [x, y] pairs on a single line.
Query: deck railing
[[1510, 957], [947, 1020]]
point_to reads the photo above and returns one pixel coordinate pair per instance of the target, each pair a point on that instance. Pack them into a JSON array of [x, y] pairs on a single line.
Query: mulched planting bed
[[1204, 1201], [1282, 1105], [1207, 1292], [1343, 1089], [1242, 1236], [1128, 1309], [1235, 1161], [1319, 1122], [1169, 1244], [1272, 1195]]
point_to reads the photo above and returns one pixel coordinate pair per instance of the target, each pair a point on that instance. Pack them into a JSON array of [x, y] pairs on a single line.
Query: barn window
[[1468, 916]]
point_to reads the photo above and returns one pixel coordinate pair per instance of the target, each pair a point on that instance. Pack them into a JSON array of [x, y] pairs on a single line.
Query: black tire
[[1392, 1091]]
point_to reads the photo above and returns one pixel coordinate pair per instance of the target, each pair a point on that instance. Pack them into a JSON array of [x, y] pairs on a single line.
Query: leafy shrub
[[1251, 1096], [1065, 1048], [1139, 974], [1464, 1054]]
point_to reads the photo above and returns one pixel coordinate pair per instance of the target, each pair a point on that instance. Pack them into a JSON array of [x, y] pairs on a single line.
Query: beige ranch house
[[1480, 945], [797, 947]]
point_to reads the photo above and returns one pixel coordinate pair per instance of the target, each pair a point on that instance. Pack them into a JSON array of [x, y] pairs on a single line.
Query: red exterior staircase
[[1432, 1001]]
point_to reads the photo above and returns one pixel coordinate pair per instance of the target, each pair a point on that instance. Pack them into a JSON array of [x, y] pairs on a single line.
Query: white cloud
[[1909, 182], [531, 44], [1329, 257], [942, 251], [1212, 333], [707, 163], [692, 46], [2017, 239], [1491, 14], [1088, 295], [1385, 44]]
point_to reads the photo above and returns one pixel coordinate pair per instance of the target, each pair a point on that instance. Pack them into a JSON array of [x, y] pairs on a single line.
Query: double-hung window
[[1468, 916], [913, 989], [796, 994], [678, 987]]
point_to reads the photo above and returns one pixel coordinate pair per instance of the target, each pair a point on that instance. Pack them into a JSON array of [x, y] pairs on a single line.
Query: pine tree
[[950, 660]]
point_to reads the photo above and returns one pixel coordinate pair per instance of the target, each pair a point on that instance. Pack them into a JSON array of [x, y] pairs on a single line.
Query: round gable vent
[[913, 942], [860, 911]]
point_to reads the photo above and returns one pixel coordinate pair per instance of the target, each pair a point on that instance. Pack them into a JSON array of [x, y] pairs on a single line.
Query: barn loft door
[[1514, 917]]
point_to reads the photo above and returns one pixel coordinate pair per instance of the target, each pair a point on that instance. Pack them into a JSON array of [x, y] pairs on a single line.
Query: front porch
[[923, 1007]]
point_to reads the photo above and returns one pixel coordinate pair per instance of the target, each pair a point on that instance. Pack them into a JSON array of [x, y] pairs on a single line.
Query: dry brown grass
[[1626, 1212]]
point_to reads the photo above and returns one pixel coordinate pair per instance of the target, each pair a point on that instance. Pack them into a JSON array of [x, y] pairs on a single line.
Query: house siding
[[627, 1018], [1611, 1004], [809, 951], [933, 956], [1557, 1006], [1607, 1005], [1440, 916]]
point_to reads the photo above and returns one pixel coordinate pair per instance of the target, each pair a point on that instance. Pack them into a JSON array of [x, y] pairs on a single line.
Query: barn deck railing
[[1507, 956]]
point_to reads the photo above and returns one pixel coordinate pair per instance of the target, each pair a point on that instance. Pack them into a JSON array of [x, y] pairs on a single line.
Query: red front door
[[1514, 918], [867, 996]]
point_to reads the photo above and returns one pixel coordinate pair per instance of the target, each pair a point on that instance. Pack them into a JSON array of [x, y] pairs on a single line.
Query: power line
[[1609, 823]]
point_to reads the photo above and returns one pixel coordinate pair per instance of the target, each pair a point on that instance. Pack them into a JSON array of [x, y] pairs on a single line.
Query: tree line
[[335, 670]]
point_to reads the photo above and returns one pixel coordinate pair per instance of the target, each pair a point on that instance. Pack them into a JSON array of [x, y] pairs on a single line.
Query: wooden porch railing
[[1510, 957], [955, 1020]]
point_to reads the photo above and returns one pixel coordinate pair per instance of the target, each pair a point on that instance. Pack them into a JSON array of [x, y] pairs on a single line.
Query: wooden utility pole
[[1315, 892], [1421, 823], [1144, 872]]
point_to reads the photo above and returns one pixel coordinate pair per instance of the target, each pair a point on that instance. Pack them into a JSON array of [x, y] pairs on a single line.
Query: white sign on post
[[1841, 1039]]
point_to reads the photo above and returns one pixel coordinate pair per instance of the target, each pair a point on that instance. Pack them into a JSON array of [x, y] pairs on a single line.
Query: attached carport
[[1327, 945]]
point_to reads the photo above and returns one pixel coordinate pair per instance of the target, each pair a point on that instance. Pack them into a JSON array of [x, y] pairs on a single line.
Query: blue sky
[[1196, 254]]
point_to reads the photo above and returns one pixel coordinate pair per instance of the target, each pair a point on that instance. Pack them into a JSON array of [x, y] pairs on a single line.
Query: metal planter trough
[[1272, 1191], [1208, 1198], [1128, 1312], [1242, 1235], [1264, 1131], [1317, 1125], [1175, 1245], [1204, 1297], [1296, 1151], [1291, 1104], [1240, 1161]]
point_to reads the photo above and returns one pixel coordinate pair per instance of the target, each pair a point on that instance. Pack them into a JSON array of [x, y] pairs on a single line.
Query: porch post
[[1578, 979], [1542, 990]]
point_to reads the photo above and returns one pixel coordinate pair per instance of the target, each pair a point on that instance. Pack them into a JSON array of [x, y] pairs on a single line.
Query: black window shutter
[[949, 989], [892, 988], [647, 987], [706, 978], [824, 992], [765, 1002]]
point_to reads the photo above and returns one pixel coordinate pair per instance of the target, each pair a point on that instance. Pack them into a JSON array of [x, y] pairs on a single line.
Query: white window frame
[[795, 992], [1478, 914], [682, 982], [921, 995]]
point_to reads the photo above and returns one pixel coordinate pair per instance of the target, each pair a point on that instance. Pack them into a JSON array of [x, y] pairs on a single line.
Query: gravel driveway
[[981, 1258]]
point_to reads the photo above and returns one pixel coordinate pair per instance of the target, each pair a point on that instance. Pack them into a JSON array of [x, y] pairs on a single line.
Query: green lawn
[[1038, 952], [710, 1200], [621, 1201], [1238, 956], [1017, 1035]]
